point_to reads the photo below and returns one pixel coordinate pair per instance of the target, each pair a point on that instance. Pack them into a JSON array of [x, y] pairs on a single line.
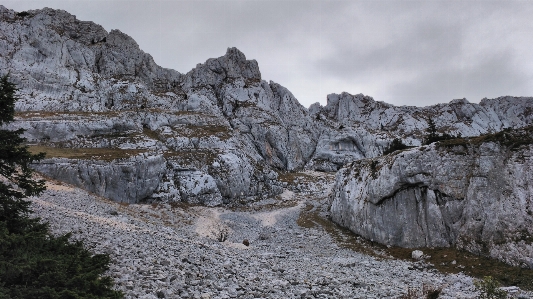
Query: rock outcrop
[[127, 180], [357, 126], [220, 130], [475, 194]]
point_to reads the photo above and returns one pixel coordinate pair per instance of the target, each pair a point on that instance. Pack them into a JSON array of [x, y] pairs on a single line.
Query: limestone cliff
[[472, 193]]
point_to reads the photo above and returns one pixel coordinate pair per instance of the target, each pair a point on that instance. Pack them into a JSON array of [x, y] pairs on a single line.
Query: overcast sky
[[401, 52]]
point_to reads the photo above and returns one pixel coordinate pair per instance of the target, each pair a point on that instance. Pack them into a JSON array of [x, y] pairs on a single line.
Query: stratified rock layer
[[474, 194]]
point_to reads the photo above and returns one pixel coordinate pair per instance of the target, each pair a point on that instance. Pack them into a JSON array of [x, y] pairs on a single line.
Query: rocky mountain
[[215, 134], [219, 127], [115, 123]]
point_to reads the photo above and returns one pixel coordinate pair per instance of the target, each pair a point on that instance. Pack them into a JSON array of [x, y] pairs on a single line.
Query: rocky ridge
[[84, 87], [117, 124]]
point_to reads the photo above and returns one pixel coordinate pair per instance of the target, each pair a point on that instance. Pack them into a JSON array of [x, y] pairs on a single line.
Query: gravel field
[[175, 251]]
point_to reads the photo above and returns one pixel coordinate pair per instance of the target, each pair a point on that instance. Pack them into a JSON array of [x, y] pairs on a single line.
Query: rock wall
[[474, 194], [127, 180], [368, 126]]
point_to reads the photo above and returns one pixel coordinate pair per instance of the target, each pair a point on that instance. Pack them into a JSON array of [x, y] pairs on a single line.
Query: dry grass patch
[[65, 114], [512, 138], [343, 237], [442, 258], [200, 131], [104, 154], [470, 264]]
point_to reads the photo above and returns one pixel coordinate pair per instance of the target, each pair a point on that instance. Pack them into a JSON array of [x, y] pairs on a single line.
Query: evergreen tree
[[433, 136], [16, 180], [33, 263], [432, 132]]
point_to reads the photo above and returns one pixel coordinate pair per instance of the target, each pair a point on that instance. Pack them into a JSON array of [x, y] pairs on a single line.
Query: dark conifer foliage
[[395, 145], [433, 135], [33, 263]]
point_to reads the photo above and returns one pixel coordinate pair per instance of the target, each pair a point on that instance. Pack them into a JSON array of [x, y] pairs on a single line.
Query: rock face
[[129, 180], [357, 126], [475, 194], [219, 124], [219, 130]]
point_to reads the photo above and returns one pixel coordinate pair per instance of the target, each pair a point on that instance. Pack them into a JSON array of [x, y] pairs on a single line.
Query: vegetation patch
[[201, 156], [23, 14], [104, 154], [433, 136], [451, 260], [489, 289], [510, 138], [295, 177], [221, 132], [427, 292], [343, 237], [63, 114], [151, 133]]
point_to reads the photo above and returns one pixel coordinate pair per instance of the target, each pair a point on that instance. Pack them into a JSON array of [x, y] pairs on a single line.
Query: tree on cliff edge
[[33, 263]]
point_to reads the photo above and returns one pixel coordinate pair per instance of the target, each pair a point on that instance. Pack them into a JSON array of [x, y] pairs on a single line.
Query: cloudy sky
[[401, 52]]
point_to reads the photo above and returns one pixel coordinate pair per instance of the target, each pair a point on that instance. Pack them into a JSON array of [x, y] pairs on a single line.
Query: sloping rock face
[[128, 180], [475, 194]]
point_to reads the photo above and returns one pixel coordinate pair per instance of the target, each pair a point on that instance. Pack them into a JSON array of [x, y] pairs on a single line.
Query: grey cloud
[[428, 46], [404, 52], [494, 76]]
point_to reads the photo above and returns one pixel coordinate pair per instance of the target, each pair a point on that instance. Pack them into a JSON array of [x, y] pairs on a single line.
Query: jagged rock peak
[[62, 22], [233, 65], [63, 64]]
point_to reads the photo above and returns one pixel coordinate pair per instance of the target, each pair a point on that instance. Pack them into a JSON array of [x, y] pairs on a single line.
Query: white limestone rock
[[477, 197], [127, 180], [378, 123], [81, 86], [417, 254]]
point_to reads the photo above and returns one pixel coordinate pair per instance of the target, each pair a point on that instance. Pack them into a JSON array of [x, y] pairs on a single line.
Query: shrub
[[23, 14], [427, 292], [395, 145], [433, 136], [489, 288]]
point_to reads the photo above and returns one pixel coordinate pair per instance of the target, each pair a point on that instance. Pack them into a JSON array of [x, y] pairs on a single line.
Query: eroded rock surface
[[475, 194]]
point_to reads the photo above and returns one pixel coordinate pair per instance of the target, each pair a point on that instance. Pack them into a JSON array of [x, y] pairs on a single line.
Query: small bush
[[395, 145], [489, 288], [23, 14], [433, 136], [427, 292]]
